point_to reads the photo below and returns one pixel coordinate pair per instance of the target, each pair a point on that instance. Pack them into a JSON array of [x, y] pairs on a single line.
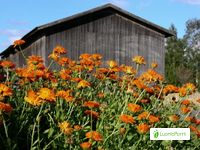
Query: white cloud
[[120, 3], [8, 36], [192, 2]]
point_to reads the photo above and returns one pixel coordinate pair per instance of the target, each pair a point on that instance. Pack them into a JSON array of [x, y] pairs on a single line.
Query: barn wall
[[36, 48], [115, 37]]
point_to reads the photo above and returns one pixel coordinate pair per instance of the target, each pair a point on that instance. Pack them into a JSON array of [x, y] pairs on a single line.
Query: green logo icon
[[155, 134]]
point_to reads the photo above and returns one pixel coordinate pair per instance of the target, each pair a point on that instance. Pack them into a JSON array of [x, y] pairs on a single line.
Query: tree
[[192, 52], [174, 58]]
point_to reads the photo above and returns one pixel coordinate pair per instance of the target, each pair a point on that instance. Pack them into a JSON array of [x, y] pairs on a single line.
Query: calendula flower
[[91, 104], [92, 113], [59, 50], [122, 131], [189, 119], [143, 128], [5, 90], [86, 145], [128, 70], [94, 135], [54, 56], [139, 60], [134, 107], [174, 118], [83, 84], [182, 92], [33, 99], [143, 115], [127, 119], [34, 59], [65, 128], [63, 61], [7, 64], [154, 65], [190, 87], [153, 119], [18, 43], [185, 110], [85, 56], [185, 102], [170, 89], [46, 94], [77, 127], [65, 95], [65, 74], [112, 63], [5, 107], [140, 84], [96, 57]]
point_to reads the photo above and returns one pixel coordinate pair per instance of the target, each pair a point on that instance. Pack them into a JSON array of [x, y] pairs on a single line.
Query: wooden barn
[[107, 30]]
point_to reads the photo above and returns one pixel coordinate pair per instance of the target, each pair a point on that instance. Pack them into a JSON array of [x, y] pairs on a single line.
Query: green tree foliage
[[174, 59], [192, 37]]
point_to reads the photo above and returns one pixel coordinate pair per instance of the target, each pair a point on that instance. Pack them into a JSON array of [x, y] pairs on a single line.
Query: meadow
[[89, 105]]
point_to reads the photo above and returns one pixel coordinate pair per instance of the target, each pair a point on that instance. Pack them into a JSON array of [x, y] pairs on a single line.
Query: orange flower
[[83, 84], [33, 99], [65, 95], [143, 128], [91, 104], [85, 56], [63, 61], [174, 118], [54, 56], [185, 102], [34, 60], [65, 74], [153, 119], [189, 119], [170, 89], [151, 76], [46, 94], [96, 56], [77, 127], [139, 84], [112, 63], [18, 43], [65, 127], [94, 135], [182, 91], [143, 115], [101, 95], [127, 119], [76, 79], [154, 65], [59, 50], [185, 110], [134, 107], [128, 69], [122, 131], [5, 90], [7, 64], [86, 145], [189, 87], [139, 60], [92, 113], [5, 107]]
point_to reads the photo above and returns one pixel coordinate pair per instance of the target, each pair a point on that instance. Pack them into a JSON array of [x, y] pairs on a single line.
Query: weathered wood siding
[[115, 37], [36, 48]]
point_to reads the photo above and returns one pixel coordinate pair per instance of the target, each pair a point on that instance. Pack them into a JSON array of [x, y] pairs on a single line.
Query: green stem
[[52, 141], [6, 132], [34, 126]]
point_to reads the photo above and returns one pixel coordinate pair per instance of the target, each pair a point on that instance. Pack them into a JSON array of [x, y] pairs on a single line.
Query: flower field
[[86, 105]]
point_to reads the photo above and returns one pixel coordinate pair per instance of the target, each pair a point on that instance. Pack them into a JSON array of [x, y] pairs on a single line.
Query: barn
[[108, 30]]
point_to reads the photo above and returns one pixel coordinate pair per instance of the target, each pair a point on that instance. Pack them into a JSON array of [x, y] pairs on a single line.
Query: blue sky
[[17, 17]]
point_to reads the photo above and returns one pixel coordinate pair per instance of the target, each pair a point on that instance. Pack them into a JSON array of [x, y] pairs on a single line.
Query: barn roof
[[82, 18]]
